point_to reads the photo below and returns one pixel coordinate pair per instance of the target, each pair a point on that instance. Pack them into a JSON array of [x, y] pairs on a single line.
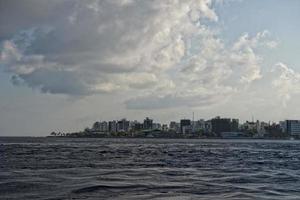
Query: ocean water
[[64, 168]]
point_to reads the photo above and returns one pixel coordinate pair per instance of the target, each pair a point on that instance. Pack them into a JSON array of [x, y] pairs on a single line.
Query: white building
[[261, 128], [258, 127]]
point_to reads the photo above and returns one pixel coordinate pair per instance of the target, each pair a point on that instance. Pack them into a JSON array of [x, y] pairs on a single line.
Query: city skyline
[[217, 127], [66, 63], [147, 123]]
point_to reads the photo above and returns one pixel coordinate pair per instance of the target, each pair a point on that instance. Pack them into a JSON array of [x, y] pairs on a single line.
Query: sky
[[67, 63]]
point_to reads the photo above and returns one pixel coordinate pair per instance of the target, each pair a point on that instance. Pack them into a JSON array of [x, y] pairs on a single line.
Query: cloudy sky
[[66, 63]]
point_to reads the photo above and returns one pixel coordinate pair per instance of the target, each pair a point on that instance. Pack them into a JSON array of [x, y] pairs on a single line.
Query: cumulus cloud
[[286, 82], [161, 50], [210, 76], [100, 44]]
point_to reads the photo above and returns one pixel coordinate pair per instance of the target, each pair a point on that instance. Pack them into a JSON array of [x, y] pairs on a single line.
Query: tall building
[[234, 124], [112, 126], [148, 124], [185, 124], [293, 128], [123, 125], [96, 126], [100, 126], [220, 125], [103, 126]]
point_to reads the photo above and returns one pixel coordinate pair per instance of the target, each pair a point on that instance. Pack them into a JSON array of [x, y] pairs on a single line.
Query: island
[[222, 128]]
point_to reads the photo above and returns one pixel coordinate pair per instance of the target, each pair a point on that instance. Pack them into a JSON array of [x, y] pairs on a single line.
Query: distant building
[[274, 131], [103, 126], [156, 126], [174, 126], [164, 127], [112, 126], [100, 127], [199, 125], [234, 125], [96, 126], [208, 126], [251, 126], [123, 125], [188, 129], [220, 125], [261, 128], [136, 126], [282, 125], [185, 124], [148, 123], [293, 128]]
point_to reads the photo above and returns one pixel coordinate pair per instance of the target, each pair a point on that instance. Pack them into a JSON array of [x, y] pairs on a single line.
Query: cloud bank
[[163, 52]]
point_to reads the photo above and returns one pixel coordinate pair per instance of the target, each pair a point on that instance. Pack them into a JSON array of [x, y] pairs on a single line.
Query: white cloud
[[104, 44], [160, 50], [212, 75], [286, 82]]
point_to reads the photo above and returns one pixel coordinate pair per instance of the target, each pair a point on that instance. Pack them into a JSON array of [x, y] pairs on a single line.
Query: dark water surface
[[62, 168]]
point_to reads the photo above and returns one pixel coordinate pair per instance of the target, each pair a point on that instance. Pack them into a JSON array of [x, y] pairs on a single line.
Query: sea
[[172, 169]]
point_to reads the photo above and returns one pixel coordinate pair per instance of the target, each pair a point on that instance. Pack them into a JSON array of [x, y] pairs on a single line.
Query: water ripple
[[52, 169]]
